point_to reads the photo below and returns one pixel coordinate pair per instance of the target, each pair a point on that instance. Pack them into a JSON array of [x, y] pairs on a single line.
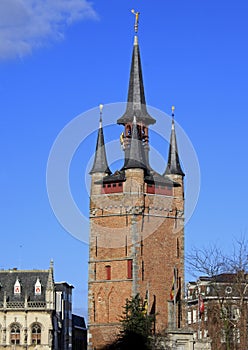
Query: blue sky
[[60, 58]]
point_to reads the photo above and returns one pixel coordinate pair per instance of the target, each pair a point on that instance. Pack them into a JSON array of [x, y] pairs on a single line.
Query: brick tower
[[136, 225]]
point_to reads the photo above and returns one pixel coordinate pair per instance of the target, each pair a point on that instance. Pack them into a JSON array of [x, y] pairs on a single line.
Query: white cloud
[[27, 24]]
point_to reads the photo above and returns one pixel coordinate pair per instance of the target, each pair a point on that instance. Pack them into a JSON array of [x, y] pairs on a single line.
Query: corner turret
[[173, 164], [100, 164]]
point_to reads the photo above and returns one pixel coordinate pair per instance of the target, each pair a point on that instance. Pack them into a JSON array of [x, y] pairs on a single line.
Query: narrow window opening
[[178, 248], [94, 309], [96, 248], [141, 246], [143, 271], [95, 271]]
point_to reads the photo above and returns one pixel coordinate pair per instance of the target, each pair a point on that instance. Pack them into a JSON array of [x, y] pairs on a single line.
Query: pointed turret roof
[[100, 162], [135, 157], [136, 103], [173, 165]]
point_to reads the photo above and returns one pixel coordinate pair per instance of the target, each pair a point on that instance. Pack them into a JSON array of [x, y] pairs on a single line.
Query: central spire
[[136, 102]]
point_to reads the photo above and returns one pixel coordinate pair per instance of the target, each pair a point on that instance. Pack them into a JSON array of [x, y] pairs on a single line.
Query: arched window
[[36, 334], [15, 334]]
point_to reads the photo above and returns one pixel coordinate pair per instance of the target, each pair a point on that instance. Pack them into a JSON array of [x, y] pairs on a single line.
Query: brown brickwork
[[147, 229]]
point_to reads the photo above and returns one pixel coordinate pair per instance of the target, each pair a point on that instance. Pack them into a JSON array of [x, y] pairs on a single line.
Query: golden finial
[[136, 25]]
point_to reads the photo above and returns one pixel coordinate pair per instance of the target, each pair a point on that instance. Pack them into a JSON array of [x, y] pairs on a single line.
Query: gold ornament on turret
[[136, 24], [122, 140]]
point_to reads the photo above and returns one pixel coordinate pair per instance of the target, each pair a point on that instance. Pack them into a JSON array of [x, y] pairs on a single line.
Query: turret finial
[[136, 24], [172, 111], [100, 109]]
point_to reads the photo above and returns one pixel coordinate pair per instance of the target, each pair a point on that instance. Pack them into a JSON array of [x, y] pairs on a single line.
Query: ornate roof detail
[[118, 176], [136, 103], [18, 285], [135, 157]]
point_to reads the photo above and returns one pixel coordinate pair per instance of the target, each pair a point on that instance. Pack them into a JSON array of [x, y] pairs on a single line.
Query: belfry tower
[[136, 224]]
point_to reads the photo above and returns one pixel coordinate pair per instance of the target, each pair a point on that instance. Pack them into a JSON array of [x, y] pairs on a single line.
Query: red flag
[[200, 305]]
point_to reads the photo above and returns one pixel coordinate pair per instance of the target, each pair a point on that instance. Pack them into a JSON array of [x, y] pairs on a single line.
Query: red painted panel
[[159, 189], [130, 269], [112, 188], [108, 272]]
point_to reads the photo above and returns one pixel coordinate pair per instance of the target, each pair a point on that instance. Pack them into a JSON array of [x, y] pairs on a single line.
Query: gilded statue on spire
[[136, 25]]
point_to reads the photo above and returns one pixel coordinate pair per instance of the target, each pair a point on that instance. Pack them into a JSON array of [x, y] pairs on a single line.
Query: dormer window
[[17, 287], [37, 287]]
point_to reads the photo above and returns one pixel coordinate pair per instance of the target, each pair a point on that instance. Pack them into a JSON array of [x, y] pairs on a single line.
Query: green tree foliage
[[136, 326]]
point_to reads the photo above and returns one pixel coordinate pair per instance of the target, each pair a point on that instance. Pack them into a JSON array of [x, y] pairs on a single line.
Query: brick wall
[[133, 225]]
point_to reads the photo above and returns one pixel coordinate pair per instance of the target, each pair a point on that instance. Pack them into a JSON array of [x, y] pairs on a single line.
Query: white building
[[35, 312]]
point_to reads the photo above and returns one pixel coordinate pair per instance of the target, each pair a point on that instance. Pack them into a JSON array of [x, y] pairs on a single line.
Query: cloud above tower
[[29, 24]]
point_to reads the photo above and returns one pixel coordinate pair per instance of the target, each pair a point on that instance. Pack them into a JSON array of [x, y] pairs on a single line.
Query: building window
[[108, 272], [58, 301], [223, 336], [37, 287], [17, 287], [130, 269], [205, 314], [36, 334], [15, 334], [189, 317], [236, 335], [194, 316], [235, 313]]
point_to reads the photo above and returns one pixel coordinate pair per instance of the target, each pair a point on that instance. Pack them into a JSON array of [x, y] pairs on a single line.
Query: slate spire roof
[[173, 164], [135, 157], [100, 164], [136, 103]]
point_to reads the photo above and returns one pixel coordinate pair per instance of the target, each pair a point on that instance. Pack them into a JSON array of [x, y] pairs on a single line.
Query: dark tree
[[136, 327]]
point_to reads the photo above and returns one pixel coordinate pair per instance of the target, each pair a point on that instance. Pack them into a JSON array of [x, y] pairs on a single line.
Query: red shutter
[[130, 269], [108, 272]]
